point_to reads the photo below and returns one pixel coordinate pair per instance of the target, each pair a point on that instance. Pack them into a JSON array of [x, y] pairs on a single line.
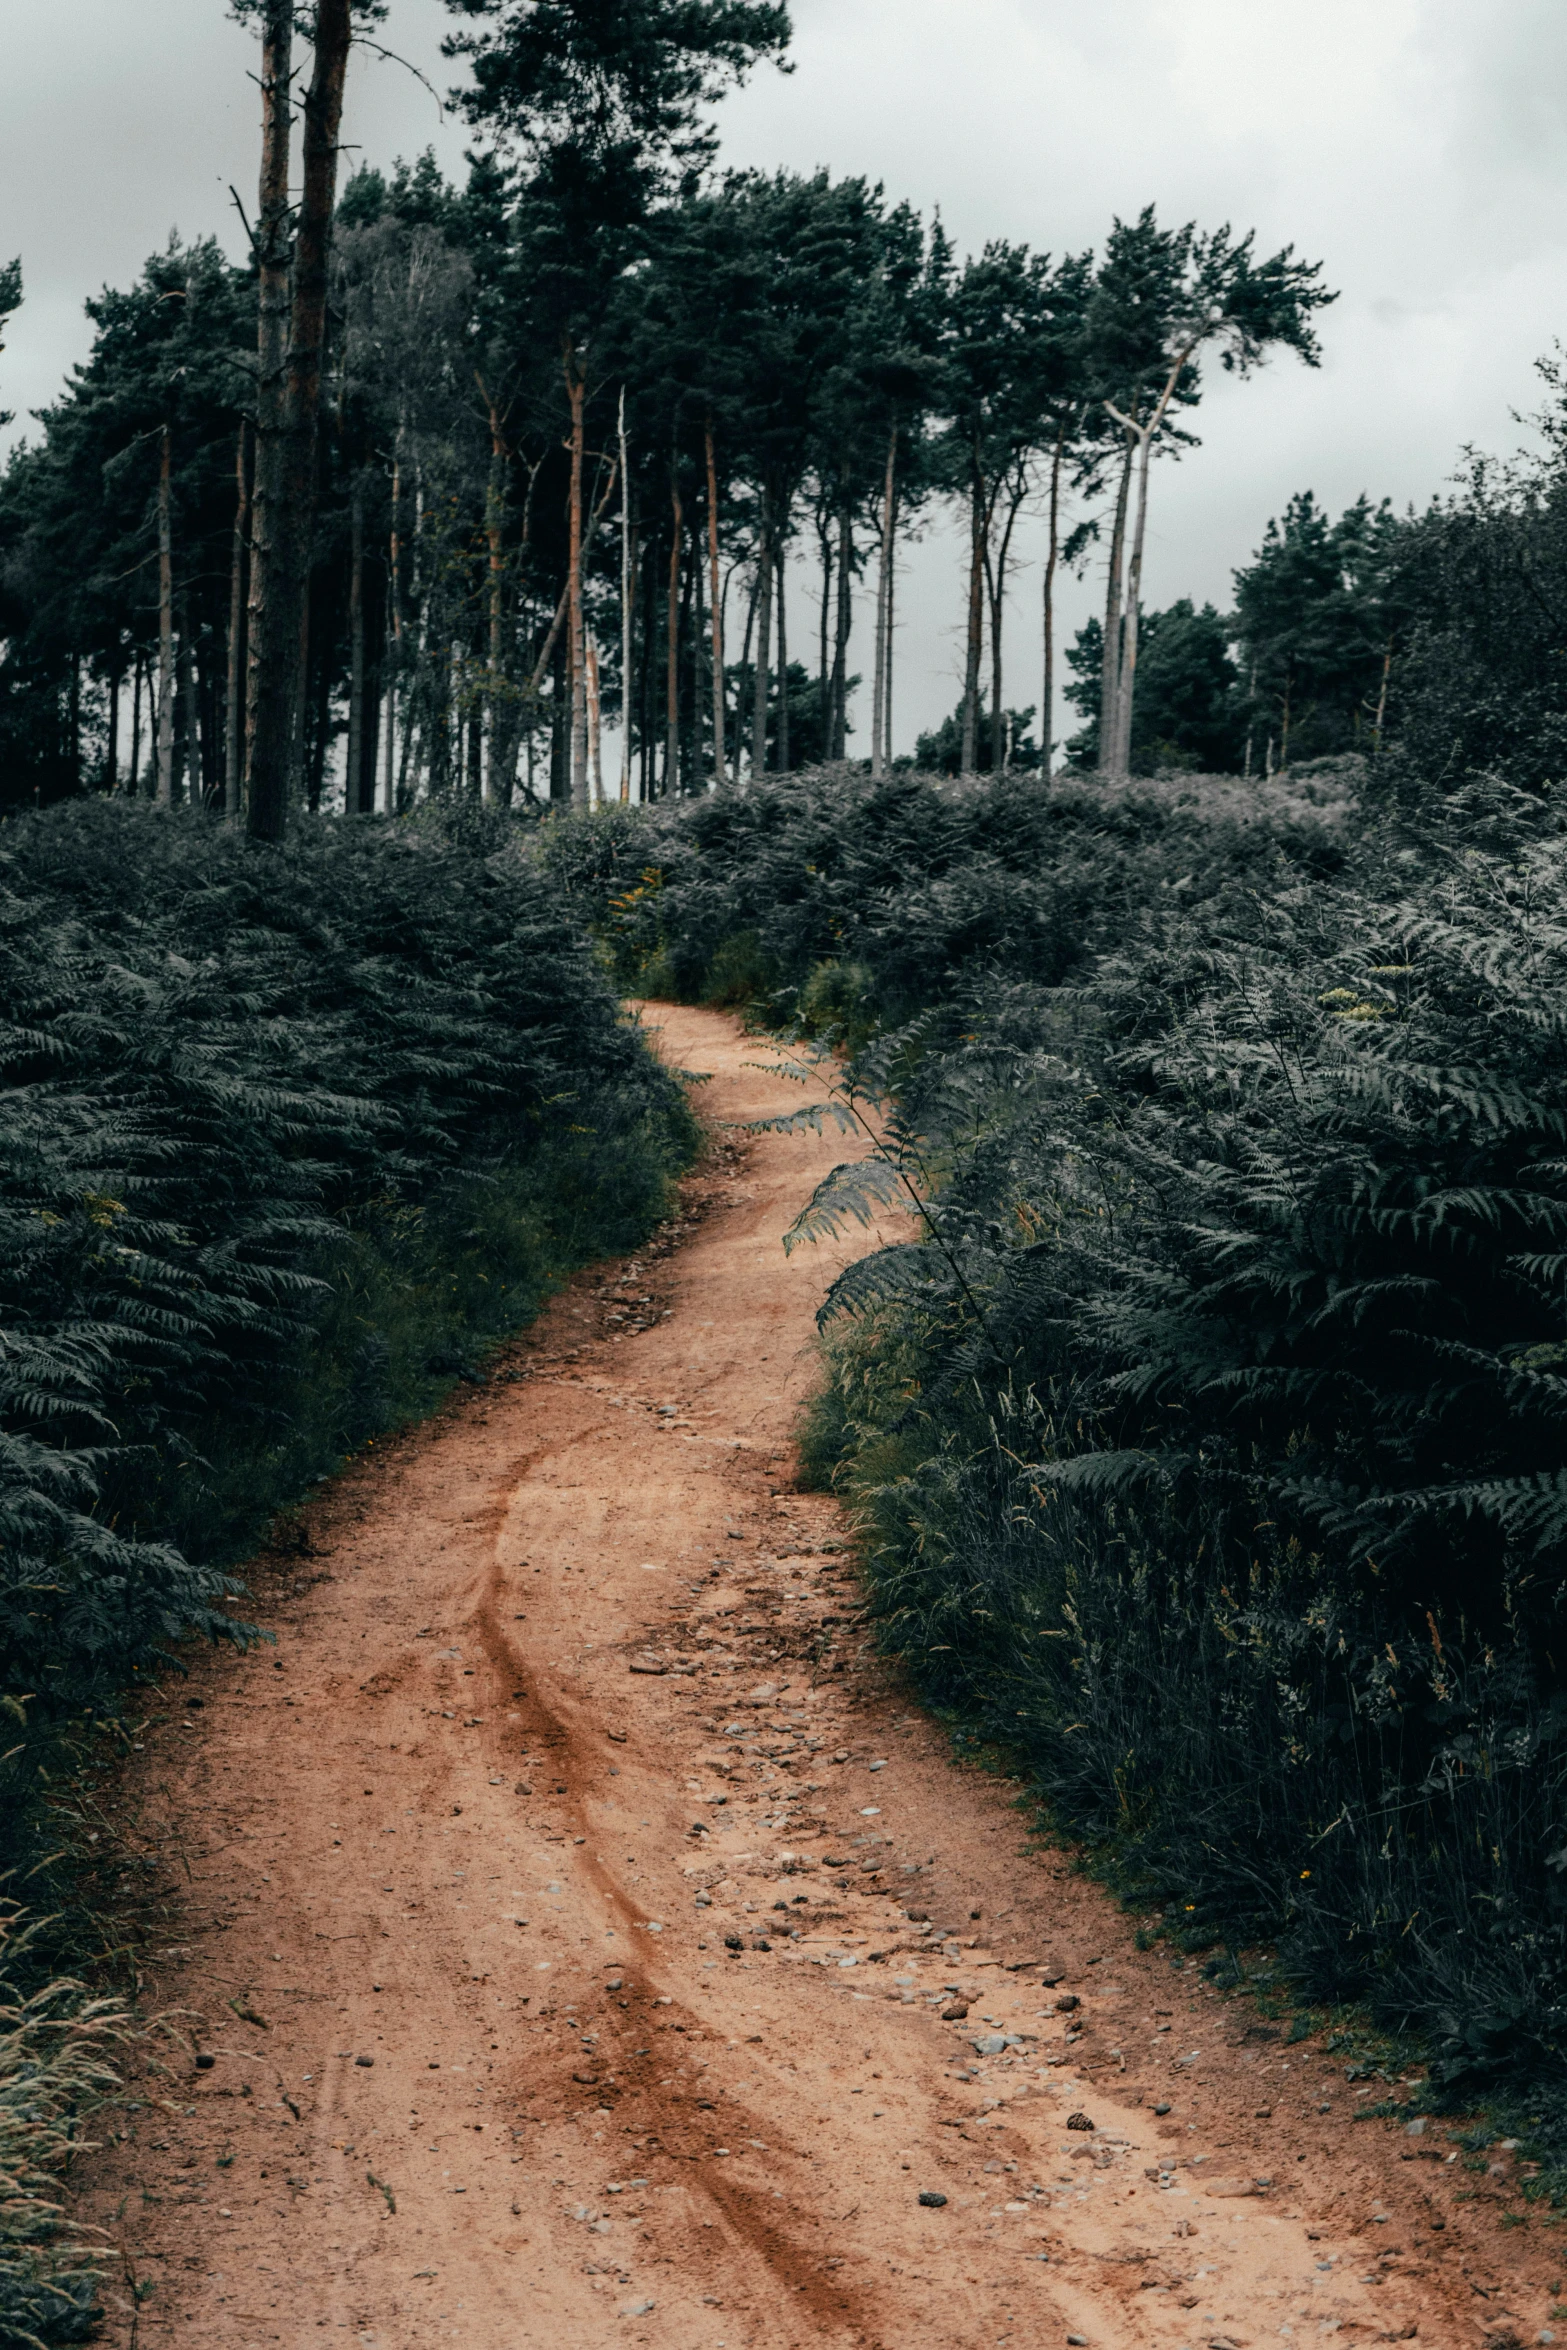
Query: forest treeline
[[538, 458]]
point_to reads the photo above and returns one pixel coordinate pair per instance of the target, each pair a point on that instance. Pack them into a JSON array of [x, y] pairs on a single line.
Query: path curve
[[573, 1900]]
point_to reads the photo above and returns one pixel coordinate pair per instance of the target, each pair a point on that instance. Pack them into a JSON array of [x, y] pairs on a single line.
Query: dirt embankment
[[578, 1919]]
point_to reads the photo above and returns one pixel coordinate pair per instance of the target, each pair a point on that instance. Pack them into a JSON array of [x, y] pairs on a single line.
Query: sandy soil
[[600, 2001]]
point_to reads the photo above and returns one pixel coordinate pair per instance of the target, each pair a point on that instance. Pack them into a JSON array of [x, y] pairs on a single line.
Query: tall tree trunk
[[978, 517], [737, 748], [672, 652], [783, 656], [133, 777], [286, 427], [394, 600], [823, 665], [1126, 683], [111, 765], [696, 637], [883, 601], [720, 775], [1000, 739], [1052, 558], [1110, 663], [627, 578], [354, 774], [75, 751], [845, 617], [764, 644], [166, 623], [892, 638], [576, 390], [595, 725], [234, 695], [1381, 717], [495, 756]]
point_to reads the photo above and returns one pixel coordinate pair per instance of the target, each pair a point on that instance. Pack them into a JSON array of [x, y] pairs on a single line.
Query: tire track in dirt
[[574, 1901]]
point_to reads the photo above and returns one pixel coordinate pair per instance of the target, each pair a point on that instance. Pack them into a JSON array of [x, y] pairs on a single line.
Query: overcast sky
[[1418, 148]]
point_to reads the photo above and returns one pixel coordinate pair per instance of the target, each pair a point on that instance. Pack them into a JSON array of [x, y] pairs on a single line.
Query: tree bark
[[576, 392], [1110, 663], [234, 697], [133, 775], [353, 780], [494, 516], [720, 775], [394, 596], [783, 659], [187, 769], [595, 759], [1143, 435], [823, 667], [111, 766], [883, 584], [1047, 698], [845, 617], [286, 426], [626, 579], [672, 652], [764, 644], [166, 623], [978, 518]]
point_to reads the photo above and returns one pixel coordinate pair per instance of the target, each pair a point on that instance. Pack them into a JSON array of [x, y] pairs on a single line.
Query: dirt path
[[573, 1902]]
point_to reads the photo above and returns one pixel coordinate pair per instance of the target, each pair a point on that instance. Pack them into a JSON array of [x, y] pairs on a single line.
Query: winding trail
[[573, 1898]]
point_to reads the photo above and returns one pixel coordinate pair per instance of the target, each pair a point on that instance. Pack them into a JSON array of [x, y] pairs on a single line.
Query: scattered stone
[[365, 2062], [204, 2064], [1067, 2003], [932, 2198], [1079, 2121], [954, 2011], [1162, 2108], [637, 2308], [643, 1665]]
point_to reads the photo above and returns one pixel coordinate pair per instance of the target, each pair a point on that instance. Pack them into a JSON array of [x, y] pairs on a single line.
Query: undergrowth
[[288, 1137]]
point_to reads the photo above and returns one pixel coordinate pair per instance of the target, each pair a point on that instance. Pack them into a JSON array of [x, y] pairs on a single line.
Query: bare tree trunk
[[627, 575], [720, 776], [494, 515], [823, 673], [353, 780], [1110, 664], [273, 243], [1047, 699], [845, 618], [187, 771], [280, 569], [764, 643], [976, 622], [595, 762], [234, 699], [783, 659], [1001, 736], [1381, 716], [111, 767], [1142, 437], [892, 636], [166, 624], [576, 389], [133, 778], [883, 600], [672, 631]]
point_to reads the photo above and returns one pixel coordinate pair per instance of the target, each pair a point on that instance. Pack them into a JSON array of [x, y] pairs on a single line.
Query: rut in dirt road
[[589, 1942]]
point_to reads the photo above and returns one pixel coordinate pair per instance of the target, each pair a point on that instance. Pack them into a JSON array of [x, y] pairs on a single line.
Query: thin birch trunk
[[273, 243], [824, 544], [892, 633], [883, 582], [494, 515], [672, 651], [353, 795], [166, 623], [1110, 663], [720, 776], [1047, 697], [783, 662], [394, 592], [133, 778], [764, 646], [978, 519], [845, 618], [1000, 737], [187, 770], [111, 771], [576, 389], [234, 699], [1381, 716], [595, 761], [626, 579]]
